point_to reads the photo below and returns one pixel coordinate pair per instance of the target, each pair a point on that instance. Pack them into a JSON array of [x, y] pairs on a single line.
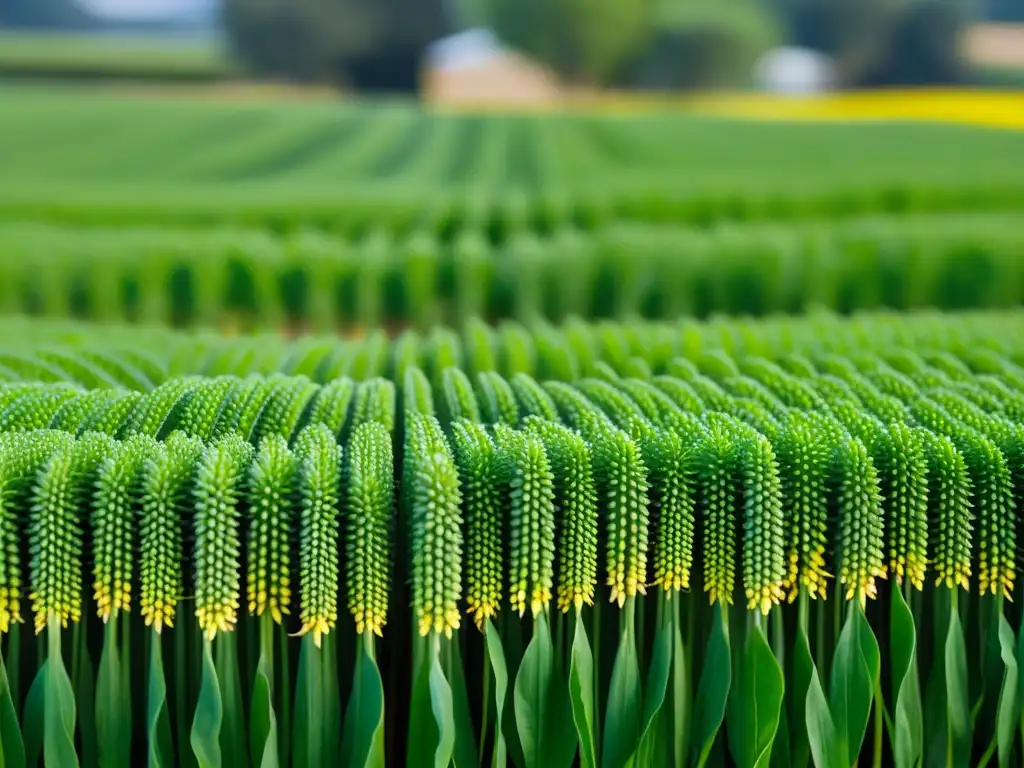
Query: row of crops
[[325, 282], [735, 542]]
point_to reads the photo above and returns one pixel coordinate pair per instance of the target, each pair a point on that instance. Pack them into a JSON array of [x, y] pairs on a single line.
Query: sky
[[146, 9]]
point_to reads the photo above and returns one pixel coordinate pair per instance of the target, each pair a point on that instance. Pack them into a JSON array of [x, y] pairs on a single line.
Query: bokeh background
[[351, 165]]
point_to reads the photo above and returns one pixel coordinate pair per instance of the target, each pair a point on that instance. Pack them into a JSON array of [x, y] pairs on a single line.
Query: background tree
[[371, 44], [585, 41]]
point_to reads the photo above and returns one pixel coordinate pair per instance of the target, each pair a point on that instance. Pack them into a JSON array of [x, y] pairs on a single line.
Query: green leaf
[[1007, 712], [803, 673], [855, 670], [441, 704], [362, 745], [496, 655], [309, 748], [679, 723], [908, 739], [957, 697], [113, 702], [35, 715], [657, 685], [158, 721], [623, 718], [205, 735], [713, 688], [755, 703], [827, 748], [422, 727], [262, 718], [59, 722], [12, 747], [581, 693], [232, 733], [465, 752], [530, 694]]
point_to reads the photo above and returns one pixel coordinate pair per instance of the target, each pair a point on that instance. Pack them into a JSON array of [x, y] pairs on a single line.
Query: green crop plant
[[791, 541]]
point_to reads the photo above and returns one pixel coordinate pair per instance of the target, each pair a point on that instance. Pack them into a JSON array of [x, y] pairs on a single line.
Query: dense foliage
[[787, 541]]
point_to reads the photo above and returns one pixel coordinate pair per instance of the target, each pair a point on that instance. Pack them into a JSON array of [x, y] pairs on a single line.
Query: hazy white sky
[[144, 9]]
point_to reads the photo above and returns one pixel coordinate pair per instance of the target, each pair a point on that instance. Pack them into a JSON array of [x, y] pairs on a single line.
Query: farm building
[[473, 68]]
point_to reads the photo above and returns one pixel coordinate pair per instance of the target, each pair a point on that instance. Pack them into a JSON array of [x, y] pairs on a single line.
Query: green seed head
[[219, 486], [36, 408], [903, 473], [764, 564], [114, 502], [532, 519], [860, 535], [718, 493], [417, 392], [368, 525], [375, 401], [167, 477], [320, 494], [459, 399], [479, 477], [949, 510], [55, 528], [803, 449], [436, 527], [622, 484], [271, 494], [497, 399], [331, 405], [21, 457], [532, 398], [669, 456]]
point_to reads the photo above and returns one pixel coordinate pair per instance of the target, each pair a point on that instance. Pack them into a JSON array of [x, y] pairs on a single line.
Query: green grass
[[94, 156], [84, 56]]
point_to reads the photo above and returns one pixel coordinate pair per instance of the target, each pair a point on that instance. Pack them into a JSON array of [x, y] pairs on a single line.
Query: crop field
[[355, 434]]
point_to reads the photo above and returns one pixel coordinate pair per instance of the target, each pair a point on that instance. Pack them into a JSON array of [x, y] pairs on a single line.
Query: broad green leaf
[[158, 721], [755, 703], [262, 718], [233, 740], [362, 745], [957, 698], [12, 747], [530, 694], [855, 670], [657, 686], [496, 655], [803, 672], [625, 702], [581, 692], [1009, 703], [827, 748], [59, 724], [422, 727], [34, 716], [330, 697], [83, 684], [113, 702], [465, 751], [908, 737], [679, 723], [713, 689], [205, 735], [441, 704], [308, 748]]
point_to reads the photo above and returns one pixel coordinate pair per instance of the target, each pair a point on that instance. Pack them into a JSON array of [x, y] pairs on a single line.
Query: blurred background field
[[341, 164]]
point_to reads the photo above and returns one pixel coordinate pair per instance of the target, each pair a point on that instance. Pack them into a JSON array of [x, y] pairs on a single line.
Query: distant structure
[[472, 68], [795, 71], [995, 45]]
